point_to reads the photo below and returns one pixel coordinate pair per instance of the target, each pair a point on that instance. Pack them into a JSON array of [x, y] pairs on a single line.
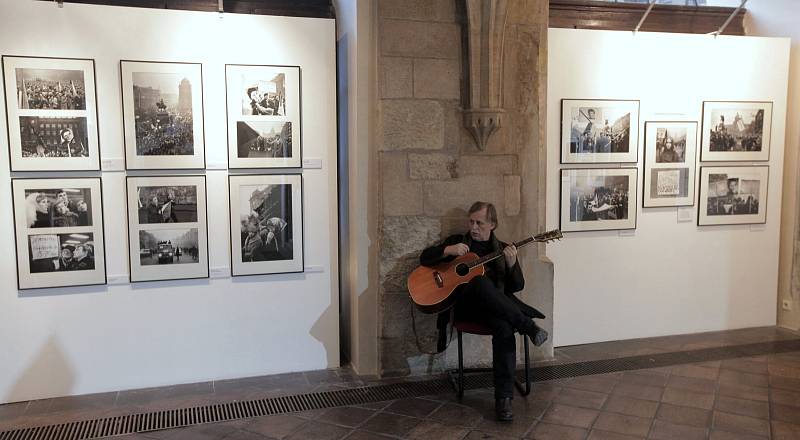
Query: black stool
[[456, 376]]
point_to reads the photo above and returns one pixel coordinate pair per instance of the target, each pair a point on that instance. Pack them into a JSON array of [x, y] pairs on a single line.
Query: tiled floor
[[745, 398]]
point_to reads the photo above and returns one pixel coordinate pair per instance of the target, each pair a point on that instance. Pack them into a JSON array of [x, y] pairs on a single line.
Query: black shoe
[[502, 409], [539, 335]]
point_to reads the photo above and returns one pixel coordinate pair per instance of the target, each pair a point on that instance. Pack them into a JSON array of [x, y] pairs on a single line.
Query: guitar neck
[[497, 254]]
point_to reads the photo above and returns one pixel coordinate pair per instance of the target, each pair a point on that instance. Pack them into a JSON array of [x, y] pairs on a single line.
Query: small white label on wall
[[220, 272], [685, 213], [314, 269], [117, 279], [758, 228], [216, 166], [113, 164], [313, 163], [627, 232]]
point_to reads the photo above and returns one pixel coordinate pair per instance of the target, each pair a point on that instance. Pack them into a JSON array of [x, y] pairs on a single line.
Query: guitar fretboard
[[494, 255]]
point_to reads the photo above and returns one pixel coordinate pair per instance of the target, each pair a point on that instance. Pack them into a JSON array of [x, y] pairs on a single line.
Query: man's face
[[80, 252], [66, 254], [480, 228], [733, 186], [668, 143], [67, 135], [591, 114]]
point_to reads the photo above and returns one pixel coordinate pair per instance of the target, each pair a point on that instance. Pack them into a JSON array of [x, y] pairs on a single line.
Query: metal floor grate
[[159, 420]]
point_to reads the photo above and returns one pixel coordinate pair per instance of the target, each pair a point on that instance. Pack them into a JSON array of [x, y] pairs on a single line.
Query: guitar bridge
[[437, 278]]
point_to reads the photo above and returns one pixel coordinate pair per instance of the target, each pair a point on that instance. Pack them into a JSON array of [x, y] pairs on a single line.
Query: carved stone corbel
[[486, 26]]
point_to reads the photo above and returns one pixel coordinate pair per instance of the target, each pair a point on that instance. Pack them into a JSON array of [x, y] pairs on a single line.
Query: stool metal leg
[[526, 388], [460, 367]]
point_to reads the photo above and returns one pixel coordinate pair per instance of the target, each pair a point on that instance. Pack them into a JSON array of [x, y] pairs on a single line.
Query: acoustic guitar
[[431, 288]]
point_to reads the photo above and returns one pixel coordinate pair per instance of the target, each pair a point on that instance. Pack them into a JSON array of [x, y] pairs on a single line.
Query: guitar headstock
[[549, 236]]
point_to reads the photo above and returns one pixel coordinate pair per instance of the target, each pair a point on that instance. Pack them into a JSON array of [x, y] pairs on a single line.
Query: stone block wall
[[430, 169]]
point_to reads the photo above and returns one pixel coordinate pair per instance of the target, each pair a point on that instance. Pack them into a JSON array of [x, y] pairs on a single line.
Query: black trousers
[[482, 302]]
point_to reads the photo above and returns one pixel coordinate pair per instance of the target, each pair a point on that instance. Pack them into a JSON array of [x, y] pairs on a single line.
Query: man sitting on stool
[[489, 299]]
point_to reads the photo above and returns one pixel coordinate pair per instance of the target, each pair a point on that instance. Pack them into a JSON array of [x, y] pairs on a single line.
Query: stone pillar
[[431, 170]]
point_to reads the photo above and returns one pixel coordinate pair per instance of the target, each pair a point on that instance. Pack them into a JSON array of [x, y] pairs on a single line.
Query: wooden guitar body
[[431, 288]]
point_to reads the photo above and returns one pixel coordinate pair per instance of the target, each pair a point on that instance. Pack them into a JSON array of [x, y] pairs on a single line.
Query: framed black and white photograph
[[736, 131], [51, 111], [167, 227], [59, 232], [599, 131], [162, 114], [733, 195], [266, 214], [670, 155], [264, 112], [598, 199]]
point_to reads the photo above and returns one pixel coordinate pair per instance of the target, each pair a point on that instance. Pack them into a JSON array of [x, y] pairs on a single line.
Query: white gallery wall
[[668, 276], [67, 341]]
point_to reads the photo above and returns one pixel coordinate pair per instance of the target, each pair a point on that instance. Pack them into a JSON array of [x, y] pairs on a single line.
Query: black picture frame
[[297, 207], [736, 156], [128, 228], [692, 165], [11, 162], [633, 142], [703, 185], [101, 230], [633, 204], [194, 120], [228, 116]]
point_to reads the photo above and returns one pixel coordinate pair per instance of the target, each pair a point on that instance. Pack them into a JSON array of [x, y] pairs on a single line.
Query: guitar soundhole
[[462, 269]]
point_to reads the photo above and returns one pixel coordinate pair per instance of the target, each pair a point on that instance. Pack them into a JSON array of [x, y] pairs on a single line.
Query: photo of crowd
[[730, 195], [265, 213], [671, 145], [599, 130], [50, 89], [167, 204], [737, 129], [599, 198], [162, 105], [264, 97], [61, 252], [58, 208], [168, 246], [53, 136], [260, 139]]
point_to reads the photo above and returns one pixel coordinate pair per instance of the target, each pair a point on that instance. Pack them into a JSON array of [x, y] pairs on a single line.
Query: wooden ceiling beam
[[293, 8], [587, 14]]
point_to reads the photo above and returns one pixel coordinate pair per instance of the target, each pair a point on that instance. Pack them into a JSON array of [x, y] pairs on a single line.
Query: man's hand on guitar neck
[[456, 250], [510, 252]]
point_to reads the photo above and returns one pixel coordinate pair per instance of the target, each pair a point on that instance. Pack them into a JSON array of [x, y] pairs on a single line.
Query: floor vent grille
[[176, 418]]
